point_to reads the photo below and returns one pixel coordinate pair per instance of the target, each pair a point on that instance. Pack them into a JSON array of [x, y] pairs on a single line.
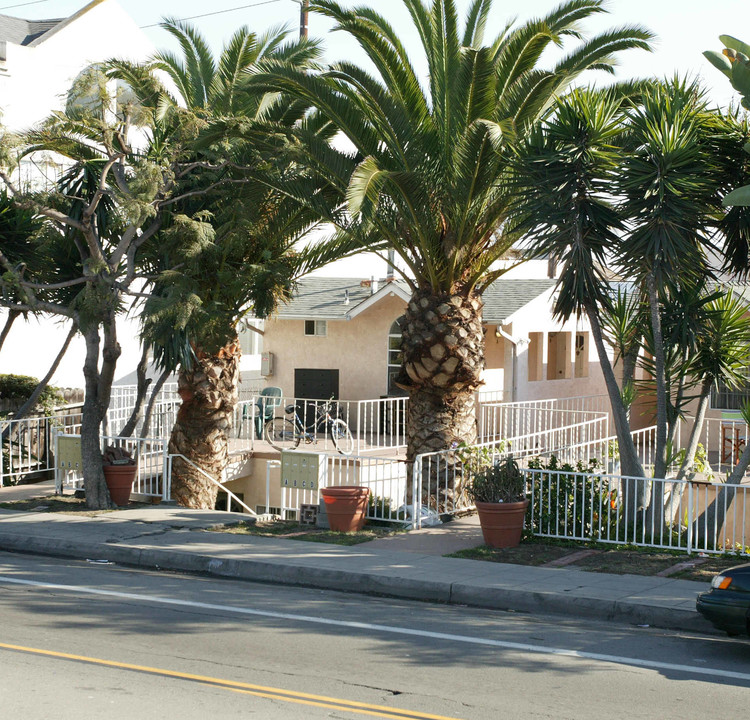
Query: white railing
[[122, 403], [381, 424], [152, 461], [373, 424], [722, 441], [385, 477], [27, 445], [230, 495], [687, 516], [502, 420]]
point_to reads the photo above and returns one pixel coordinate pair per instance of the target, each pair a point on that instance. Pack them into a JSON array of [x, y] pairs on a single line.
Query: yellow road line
[[245, 688]]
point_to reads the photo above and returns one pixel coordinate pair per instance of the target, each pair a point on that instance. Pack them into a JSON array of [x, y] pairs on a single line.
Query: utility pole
[[304, 13]]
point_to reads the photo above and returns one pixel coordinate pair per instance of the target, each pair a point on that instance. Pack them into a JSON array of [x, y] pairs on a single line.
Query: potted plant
[[119, 472], [498, 492], [346, 507]]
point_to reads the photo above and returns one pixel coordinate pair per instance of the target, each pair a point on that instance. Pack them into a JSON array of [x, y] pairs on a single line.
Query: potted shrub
[[346, 507], [498, 492], [119, 472]]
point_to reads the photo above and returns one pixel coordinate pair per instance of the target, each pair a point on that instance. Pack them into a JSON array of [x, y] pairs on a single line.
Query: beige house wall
[[358, 348]]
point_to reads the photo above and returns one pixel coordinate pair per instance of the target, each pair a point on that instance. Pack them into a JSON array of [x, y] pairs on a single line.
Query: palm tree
[[428, 177], [217, 265], [669, 182], [566, 210]]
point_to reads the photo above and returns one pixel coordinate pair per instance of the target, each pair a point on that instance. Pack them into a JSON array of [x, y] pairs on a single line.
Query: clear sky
[[684, 27]]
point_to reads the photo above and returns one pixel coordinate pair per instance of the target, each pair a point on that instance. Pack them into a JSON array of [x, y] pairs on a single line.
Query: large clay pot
[[502, 523], [346, 507], [120, 482]]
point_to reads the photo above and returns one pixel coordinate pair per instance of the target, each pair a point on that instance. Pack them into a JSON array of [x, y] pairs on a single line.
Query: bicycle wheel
[[342, 437], [280, 433]]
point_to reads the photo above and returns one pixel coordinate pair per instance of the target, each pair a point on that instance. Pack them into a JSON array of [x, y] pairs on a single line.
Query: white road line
[[394, 630]]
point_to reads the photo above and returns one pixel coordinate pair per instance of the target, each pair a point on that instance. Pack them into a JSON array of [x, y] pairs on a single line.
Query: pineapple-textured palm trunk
[[208, 391], [443, 351]]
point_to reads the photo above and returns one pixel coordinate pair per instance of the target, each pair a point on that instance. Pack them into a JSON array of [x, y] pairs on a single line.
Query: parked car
[[727, 604]]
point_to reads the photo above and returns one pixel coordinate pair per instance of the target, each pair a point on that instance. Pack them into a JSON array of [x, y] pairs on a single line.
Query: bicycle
[[283, 433]]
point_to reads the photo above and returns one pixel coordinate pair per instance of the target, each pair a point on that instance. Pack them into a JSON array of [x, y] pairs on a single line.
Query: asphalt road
[[83, 640]]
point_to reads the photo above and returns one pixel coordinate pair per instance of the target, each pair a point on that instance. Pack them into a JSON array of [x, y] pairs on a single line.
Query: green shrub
[[572, 500], [20, 387]]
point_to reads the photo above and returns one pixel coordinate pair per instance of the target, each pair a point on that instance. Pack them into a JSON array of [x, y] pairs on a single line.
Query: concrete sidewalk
[[174, 538]]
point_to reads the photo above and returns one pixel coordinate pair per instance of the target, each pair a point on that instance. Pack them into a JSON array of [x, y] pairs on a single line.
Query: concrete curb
[[309, 574]]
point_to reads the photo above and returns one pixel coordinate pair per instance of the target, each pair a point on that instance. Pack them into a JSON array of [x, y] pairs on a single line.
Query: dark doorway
[[316, 384]]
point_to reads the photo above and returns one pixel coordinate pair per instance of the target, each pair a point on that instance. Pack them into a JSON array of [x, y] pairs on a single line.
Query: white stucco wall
[[37, 77]]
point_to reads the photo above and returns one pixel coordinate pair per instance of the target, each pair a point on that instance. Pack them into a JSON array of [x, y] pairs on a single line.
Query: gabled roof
[[324, 298], [24, 32], [33, 32]]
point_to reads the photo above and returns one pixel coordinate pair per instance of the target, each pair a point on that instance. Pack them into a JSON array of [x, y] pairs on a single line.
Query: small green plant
[[501, 482], [380, 509], [700, 462]]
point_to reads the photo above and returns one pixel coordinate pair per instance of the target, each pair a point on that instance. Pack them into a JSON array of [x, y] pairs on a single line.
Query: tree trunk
[[146, 427], [629, 463], [97, 495], [142, 383], [443, 349], [660, 460], [695, 433], [634, 491], [12, 316], [655, 515], [209, 395]]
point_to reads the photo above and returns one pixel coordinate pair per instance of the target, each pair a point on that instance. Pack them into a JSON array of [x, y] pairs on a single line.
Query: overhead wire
[[216, 12]]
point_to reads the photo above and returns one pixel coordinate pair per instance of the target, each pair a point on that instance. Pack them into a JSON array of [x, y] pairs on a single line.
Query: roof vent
[[346, 297], [373, 286]]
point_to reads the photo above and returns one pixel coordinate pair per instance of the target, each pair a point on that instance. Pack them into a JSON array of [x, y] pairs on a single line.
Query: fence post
[[416, 494]]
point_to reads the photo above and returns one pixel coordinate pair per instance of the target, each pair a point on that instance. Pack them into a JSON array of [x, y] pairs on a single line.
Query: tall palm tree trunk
[[209, 394], [443, 348], [655, 514]]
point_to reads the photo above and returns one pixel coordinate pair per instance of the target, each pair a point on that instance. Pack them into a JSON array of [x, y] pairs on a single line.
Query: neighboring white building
[[39, 60]]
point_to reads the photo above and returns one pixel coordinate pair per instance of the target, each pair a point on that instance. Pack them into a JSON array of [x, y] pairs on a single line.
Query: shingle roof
[[24, 32], [323, 298]]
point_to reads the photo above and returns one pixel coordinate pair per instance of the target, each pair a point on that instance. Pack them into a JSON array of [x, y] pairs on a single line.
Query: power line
[[36, 2], [217, 12]]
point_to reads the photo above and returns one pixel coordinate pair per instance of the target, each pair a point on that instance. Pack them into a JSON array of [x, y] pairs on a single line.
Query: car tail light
[[721, 582]]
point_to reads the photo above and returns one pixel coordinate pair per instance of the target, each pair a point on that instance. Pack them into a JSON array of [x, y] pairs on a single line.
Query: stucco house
[[340, 337]]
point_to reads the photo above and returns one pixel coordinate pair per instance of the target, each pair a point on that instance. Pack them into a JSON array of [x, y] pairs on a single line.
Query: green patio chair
[[268, 400]]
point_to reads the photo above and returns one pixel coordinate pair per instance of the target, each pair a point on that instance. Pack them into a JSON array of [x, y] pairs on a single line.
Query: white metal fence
[[387, 479], [374, 424], [650, 512], [152, 461], [497, 420], [28, 444]]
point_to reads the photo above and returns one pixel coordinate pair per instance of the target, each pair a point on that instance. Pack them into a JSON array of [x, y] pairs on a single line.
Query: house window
[[395, 357], [316, 327], [535, 356], [582, 355], [734, 398], [251, 342], [558, 356]]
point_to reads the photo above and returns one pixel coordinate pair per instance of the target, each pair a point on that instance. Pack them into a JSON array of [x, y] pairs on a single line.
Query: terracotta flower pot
[[346, 507], [502, 523], [120, 482]]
